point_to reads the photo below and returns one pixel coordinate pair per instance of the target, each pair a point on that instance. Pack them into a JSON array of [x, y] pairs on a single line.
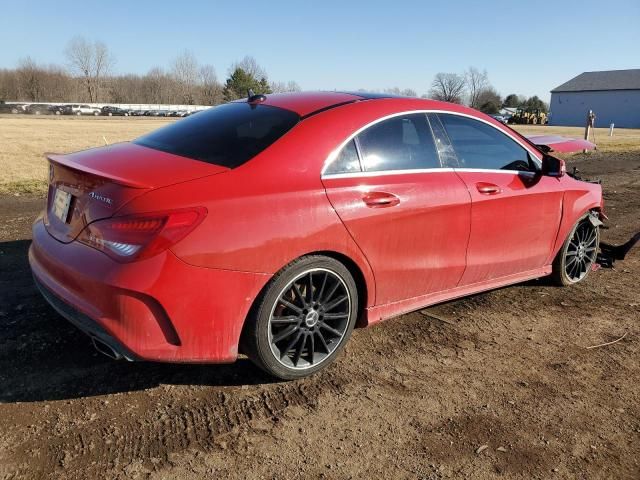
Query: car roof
[[306, 104]]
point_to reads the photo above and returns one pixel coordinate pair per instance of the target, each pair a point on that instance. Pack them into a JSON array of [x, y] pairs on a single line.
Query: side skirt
[[378, 313]]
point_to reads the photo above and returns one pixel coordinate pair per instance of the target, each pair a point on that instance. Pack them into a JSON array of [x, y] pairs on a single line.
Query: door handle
[[488, 188], [380, 199]]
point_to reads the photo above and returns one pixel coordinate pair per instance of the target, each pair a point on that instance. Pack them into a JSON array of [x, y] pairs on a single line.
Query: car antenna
[[255, 98]]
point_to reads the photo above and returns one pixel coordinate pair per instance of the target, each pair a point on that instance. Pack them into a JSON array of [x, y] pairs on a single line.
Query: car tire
[[577, 254], [289, 333], [78, 113], [95, 114], [110, 114]]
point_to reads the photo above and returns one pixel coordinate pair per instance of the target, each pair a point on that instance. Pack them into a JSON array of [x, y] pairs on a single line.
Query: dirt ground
[[418, 396]]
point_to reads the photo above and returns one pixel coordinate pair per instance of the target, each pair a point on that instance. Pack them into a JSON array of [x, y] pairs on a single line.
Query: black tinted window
[[478, 145], [228, 135], [346, 161], [400, 143]]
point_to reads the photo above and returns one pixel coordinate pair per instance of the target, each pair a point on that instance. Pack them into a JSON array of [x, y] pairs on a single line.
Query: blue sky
[[526, 47]]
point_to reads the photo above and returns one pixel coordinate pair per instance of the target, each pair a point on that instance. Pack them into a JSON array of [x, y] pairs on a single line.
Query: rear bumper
[[158, 309], [86, 324]]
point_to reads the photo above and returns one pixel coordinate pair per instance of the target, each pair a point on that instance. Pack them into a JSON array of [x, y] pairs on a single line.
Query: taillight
[[134, 237]]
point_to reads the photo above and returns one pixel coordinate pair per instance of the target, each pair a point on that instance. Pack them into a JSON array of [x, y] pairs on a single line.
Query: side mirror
[[553, 167]]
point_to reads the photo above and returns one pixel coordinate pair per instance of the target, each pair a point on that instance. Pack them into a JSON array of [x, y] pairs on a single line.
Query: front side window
[[478, 145], [399, 143], [228, 135]]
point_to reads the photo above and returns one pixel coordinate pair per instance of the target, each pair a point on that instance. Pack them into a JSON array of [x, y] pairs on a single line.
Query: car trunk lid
[[94, 184]]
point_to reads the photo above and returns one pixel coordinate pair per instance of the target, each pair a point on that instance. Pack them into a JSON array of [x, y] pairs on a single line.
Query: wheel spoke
[[299, 293], [335, 303], [324, 283], [322, 341], [335, 316], [310, 288], [332, 290], [290, 345], [287, 332], [290, 305], [298, 352], [312, 348], [330, 329], [285, 320]]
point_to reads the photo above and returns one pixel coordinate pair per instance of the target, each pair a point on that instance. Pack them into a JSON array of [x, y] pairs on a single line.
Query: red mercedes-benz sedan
[[275, 224]]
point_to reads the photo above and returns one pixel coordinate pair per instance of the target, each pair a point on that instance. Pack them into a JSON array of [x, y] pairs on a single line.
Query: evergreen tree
[[238, 84]]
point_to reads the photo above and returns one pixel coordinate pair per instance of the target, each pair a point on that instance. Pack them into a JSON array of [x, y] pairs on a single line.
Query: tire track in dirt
[[195, 424]]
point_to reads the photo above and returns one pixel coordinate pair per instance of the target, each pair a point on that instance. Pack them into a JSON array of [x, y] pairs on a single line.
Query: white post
[[611, 129]]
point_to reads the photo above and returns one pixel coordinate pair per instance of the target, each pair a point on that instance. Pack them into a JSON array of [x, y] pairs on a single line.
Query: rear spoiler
[[555, 143], [69, 162]]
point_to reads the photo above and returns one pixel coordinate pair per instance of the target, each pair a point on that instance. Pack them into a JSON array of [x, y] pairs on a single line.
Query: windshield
[[228, 135]]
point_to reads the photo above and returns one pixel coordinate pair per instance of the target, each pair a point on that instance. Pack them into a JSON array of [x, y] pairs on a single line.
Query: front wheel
[[303, 319], [578, 253]]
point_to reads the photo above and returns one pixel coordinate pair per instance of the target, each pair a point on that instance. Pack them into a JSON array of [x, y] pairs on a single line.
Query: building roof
[[607, 80]]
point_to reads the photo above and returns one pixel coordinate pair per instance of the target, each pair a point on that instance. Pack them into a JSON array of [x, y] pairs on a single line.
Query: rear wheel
[[578, 253], [303, 319]]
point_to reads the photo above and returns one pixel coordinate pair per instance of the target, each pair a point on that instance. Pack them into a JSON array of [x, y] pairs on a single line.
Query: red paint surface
[[441, 239], [562, 144]]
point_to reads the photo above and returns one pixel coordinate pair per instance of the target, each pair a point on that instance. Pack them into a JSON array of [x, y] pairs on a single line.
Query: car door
[[515, 211], [409, 216]]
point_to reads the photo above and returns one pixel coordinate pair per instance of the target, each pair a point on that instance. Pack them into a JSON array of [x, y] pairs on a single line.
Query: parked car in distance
[[38, 109], [111, 111], [137, 113], [57, 109], [11, 108], [273, 226], [84, 110]]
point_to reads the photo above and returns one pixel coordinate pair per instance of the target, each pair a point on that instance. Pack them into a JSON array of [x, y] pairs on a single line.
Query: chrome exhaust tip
[[105, 349]]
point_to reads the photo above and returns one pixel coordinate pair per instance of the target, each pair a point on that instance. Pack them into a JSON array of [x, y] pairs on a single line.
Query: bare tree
[[157, 86], [91, 61], [476, 82], [186, 71], [407, 92], [249, 65], [448, 87], [30, 79], [282, 87], [211, 90]]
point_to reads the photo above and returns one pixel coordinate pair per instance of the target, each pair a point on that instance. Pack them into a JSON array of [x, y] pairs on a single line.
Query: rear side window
[[478, 145], [399, 143], [228, 135], [347, 160]]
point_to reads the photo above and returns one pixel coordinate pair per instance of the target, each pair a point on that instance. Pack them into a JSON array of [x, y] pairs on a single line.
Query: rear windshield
[[228, 135]]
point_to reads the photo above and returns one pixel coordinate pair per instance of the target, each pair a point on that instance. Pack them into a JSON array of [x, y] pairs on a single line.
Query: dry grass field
[[25, 139]]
